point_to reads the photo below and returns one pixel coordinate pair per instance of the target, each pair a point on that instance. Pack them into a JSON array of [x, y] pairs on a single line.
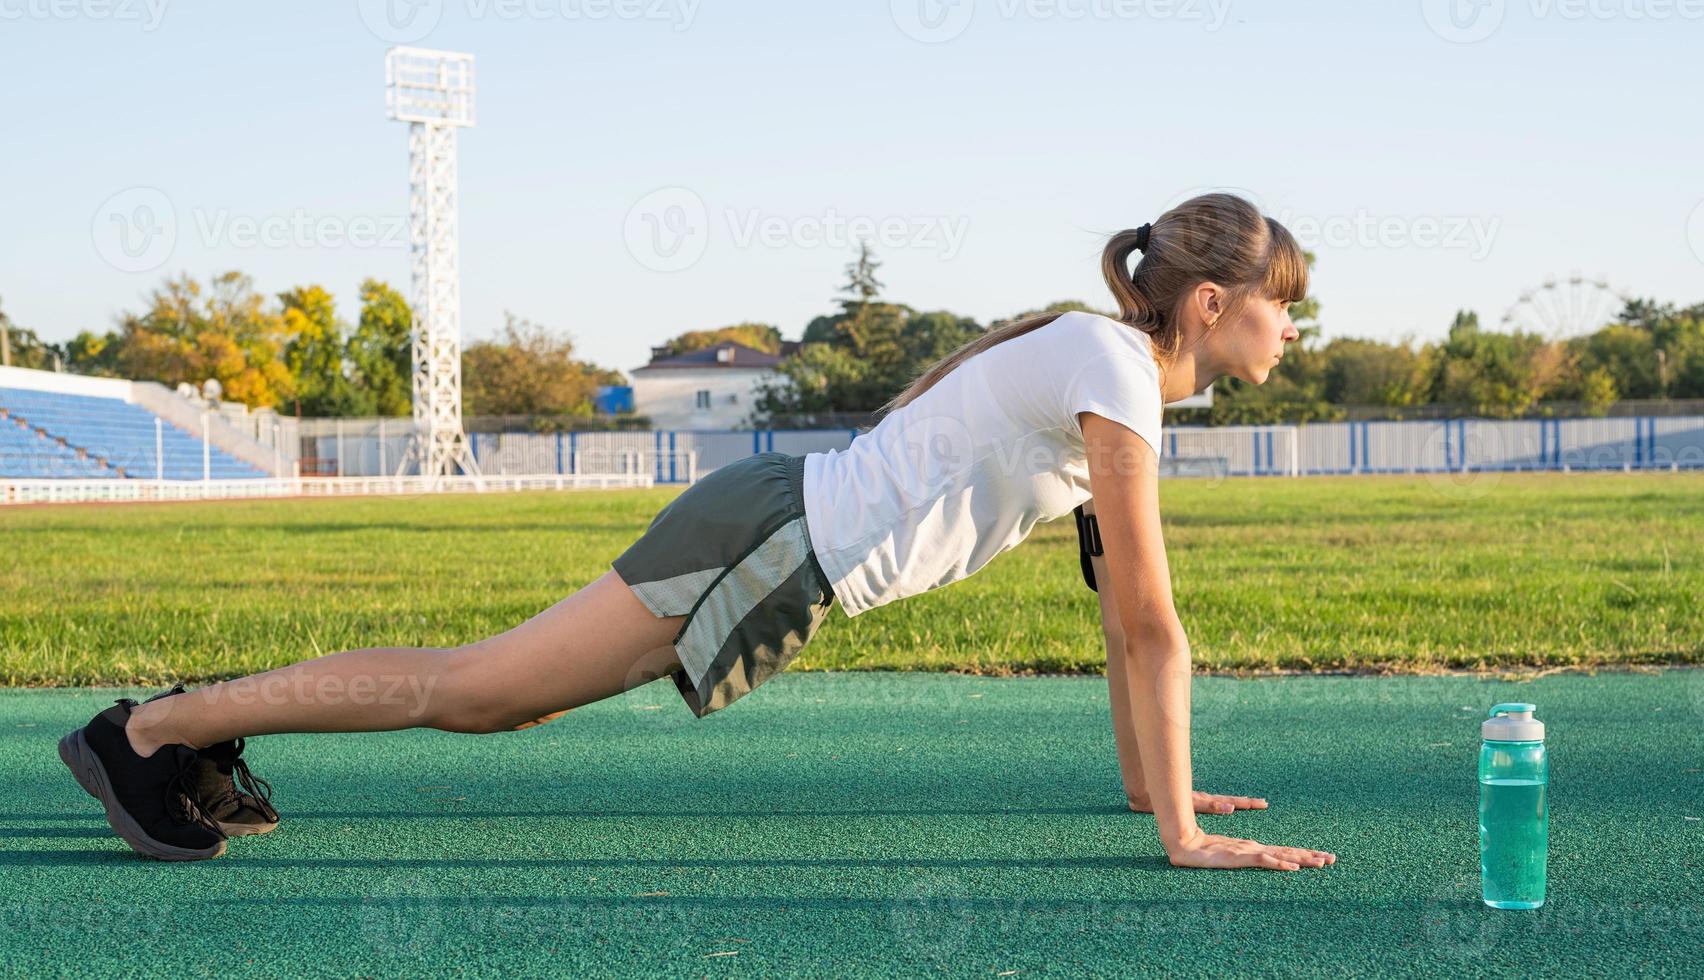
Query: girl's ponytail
[[1133, 307]]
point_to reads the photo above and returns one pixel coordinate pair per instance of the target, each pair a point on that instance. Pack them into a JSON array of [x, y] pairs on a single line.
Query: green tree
[[928, 337], [94, 353], [871, 328], [1628, 353], [314, 354], [1496, 374], [527, 370], [1598, 391], [759, 336], [380, 353], [21, 347], [819, 378], [1370, 372], [1674, 367]]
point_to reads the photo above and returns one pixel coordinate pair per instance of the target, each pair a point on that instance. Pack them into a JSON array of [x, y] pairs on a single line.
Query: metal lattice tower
[[433, 92]]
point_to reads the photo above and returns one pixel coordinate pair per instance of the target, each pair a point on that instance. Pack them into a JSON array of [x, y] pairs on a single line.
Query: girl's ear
[[1210, 301]]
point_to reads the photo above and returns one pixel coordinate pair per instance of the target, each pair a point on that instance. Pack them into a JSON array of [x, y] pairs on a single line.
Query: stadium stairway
[[52, 435]]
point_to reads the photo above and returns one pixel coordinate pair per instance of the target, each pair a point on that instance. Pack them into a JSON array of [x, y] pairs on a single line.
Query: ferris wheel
[[1565, 307]]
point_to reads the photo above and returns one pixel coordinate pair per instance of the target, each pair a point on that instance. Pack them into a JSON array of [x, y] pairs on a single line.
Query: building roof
[[737, 355]]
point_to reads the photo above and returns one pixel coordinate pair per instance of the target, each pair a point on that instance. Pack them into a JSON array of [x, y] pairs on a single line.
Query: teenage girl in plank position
[[1027, 423]]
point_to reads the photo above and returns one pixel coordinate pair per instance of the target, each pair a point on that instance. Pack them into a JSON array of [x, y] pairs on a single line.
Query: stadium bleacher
[[116, 437]]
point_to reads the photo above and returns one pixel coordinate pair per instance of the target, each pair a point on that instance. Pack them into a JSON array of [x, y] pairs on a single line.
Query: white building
[[713, 388]]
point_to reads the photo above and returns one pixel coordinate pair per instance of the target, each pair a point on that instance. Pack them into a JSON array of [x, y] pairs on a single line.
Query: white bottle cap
[[1512, 722]]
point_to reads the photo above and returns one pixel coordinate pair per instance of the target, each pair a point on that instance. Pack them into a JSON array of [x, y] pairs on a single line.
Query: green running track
[[872, 824]]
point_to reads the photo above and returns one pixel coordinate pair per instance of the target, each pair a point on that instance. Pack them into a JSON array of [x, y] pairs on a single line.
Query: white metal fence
[[140, 491], [1233, 450], [373, 448], [525, 461], [1639, 443]]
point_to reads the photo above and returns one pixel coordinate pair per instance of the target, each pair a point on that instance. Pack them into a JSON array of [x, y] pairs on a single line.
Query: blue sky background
[[1569, 142]]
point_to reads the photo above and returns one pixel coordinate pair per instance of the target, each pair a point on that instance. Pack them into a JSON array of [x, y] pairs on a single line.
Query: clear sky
[[644, 167]]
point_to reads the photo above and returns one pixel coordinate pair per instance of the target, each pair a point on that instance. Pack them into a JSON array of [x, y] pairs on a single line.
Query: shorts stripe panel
[[740, 590], [761, 646], [675, 596]]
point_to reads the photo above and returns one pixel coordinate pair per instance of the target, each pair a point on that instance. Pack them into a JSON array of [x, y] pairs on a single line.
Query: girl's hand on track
[[1214, 851], [1207, 803]]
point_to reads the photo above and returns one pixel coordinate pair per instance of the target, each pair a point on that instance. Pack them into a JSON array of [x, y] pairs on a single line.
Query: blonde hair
[[1217, 238]]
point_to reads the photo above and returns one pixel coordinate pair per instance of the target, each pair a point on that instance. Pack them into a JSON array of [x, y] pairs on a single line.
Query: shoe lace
[[255, 786], [180, 797]]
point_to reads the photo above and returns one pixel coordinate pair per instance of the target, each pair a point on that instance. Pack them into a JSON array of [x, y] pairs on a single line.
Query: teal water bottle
[[1514, 819]]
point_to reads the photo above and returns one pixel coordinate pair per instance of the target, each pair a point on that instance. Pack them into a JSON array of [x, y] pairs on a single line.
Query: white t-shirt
[[962, 473]]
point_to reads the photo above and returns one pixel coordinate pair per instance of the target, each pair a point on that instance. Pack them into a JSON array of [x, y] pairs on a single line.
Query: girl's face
[[1250, 342]]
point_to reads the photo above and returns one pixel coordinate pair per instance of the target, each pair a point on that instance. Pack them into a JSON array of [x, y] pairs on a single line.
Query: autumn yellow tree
[[222, 332], [529, 370]]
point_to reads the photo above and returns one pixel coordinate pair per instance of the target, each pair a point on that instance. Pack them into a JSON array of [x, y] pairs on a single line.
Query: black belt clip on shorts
[[1088, 545]]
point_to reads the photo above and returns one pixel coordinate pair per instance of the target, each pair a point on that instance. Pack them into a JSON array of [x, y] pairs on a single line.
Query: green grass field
[[1398, 574]]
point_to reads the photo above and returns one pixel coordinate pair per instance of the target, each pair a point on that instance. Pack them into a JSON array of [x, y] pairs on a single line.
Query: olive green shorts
[[733, 555]]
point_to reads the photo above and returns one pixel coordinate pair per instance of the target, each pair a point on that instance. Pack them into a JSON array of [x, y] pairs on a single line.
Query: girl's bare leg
[[596, 643]]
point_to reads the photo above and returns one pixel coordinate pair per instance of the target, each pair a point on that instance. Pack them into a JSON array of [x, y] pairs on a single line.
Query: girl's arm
[[1124, 479], [1124, 723]]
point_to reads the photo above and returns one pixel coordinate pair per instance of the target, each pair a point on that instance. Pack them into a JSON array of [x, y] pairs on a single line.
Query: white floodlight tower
[[432, 91]]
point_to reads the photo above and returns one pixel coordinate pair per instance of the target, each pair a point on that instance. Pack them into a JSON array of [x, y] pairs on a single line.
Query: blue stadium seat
[[113, 435]]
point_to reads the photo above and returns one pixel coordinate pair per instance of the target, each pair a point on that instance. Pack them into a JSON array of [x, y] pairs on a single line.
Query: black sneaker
[[238, 813], [147, 800]]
